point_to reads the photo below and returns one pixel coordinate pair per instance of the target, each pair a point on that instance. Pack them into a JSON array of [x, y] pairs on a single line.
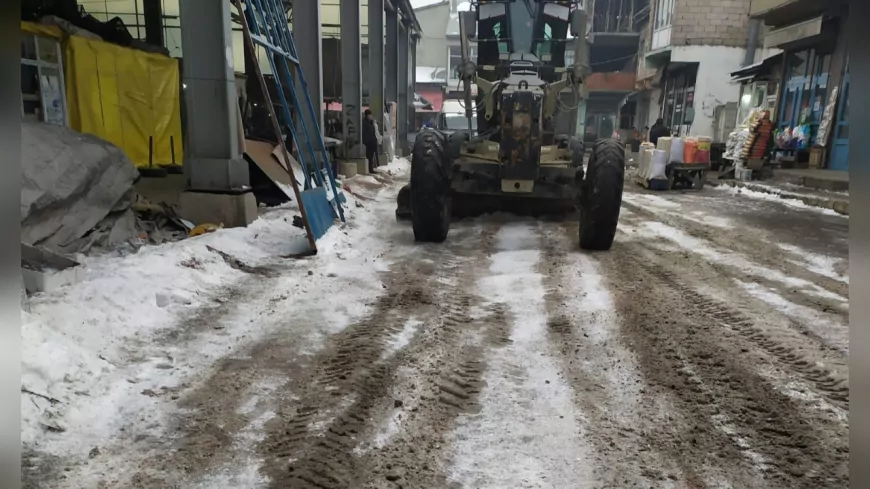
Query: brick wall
[[710, 22]]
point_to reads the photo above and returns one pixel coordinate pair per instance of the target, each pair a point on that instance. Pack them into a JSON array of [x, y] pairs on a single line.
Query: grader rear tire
[[430, 187], [602, 195]]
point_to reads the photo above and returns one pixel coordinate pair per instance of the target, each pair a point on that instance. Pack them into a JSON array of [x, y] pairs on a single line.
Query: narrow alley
[[708, 348]]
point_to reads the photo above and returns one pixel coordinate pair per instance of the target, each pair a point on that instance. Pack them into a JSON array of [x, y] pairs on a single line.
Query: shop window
[[679, 96], [42, 85], [806, 89], [626, 115]]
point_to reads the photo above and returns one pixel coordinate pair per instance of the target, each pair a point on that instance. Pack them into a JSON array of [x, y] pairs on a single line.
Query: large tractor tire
[[602, 195], [430, 187]]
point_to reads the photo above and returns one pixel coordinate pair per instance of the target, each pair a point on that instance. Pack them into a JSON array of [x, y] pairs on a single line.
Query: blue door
[[840, 147]]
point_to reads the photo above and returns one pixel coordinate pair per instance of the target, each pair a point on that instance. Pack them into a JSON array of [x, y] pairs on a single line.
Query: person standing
[[658, 130], [370, 140]]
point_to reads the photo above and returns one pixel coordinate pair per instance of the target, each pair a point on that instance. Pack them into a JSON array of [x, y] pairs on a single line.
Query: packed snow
[[90, 350], [506, 428]]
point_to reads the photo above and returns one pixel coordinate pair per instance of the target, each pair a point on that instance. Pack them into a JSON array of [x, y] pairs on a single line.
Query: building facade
[[815, 70], [689, 50]]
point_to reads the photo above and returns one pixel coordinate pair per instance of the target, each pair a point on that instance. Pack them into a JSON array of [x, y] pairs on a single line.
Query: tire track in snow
[[739, 419], [526, 432], [811, 346], [705, 264], [438, 377], [316, 441], [757, 246], [620, 416]]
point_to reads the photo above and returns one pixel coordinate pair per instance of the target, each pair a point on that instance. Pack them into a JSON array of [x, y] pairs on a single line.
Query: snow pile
[[399, 167], [76, 337], [826, 266], [776, 196]]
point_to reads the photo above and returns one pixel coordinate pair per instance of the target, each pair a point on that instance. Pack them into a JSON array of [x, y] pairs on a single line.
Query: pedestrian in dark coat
[[658, 130]]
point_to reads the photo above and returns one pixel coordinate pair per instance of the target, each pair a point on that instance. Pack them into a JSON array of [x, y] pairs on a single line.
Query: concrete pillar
[[152, 11], [391, 63], [404, 78], [217, 174], [307, 34], [412, 82], [351, 74], [376, 60]]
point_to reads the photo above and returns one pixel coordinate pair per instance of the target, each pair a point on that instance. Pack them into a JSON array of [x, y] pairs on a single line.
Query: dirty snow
[[527, 429], [782, 198], [402, 338], [703, 248], [820, 264], [834, 332], [650, 201], [98, 357]]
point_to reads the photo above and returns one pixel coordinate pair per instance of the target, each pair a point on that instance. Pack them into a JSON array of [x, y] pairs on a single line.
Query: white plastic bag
[[659, 164], [678, 145]]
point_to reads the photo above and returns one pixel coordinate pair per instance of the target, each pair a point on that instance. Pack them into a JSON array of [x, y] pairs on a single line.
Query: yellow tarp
[[122, 95], [125, 96], [42, 30]]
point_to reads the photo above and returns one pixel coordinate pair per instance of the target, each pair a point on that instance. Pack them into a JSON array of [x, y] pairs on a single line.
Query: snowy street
[[707, 349]]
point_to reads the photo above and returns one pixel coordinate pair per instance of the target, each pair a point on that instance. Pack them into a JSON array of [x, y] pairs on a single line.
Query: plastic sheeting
[[125, 96], [51, 31], [69, 183]]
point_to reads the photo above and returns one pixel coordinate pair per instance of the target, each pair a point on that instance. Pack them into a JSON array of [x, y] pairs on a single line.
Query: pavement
[[707, 348], [837, 201], [819, 179]]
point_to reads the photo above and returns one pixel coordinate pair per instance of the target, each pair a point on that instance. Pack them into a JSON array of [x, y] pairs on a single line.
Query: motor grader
[[513, 161]]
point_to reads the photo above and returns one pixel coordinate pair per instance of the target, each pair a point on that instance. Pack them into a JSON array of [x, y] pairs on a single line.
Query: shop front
[[759, 86], [678, 98], [814, 96]]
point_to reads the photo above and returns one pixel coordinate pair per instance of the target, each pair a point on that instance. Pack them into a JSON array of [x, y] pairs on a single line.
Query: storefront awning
[[757, 70], [795, 32]]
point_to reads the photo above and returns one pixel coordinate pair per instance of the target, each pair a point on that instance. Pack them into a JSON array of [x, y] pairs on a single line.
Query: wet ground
[[707, 349]]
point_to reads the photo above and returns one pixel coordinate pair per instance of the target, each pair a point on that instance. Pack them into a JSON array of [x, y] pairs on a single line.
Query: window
[[545, 47], [805, 89], [42, 85], [569, 57], [626, 115], [679, 94], [455, 59], [663, 14]]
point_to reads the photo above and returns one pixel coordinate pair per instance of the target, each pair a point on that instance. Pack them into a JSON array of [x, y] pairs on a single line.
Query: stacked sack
[[678, 150], [740, 141], [658, 164], [645, 160]]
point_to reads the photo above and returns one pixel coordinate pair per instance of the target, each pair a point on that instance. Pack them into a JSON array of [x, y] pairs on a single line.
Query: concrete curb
[[838, 205]]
